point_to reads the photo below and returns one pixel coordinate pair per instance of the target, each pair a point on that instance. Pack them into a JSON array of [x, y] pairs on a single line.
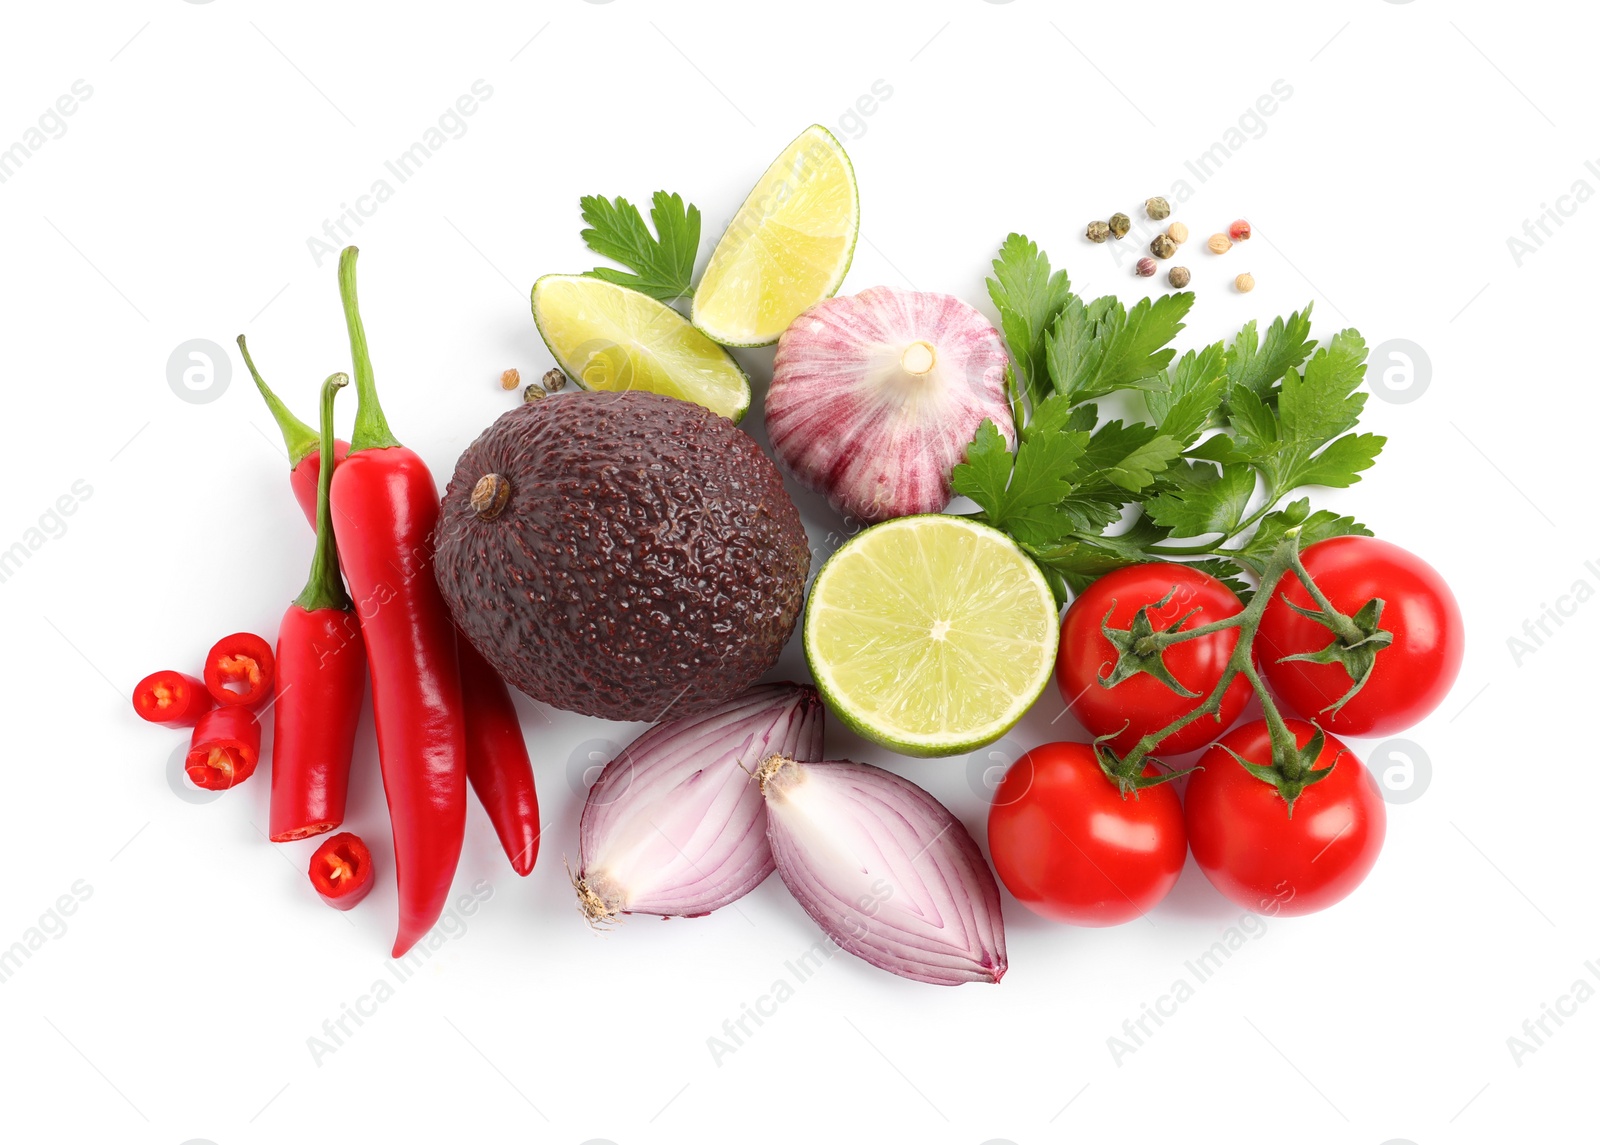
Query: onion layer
[[674, 825], [885, 870]]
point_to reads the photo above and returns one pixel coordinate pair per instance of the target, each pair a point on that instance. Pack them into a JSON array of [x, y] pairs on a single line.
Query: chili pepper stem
[[325, 587], [372, 428], [298, 437]]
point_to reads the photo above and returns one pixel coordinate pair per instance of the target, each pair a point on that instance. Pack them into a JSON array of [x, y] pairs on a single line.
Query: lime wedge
[[788, 247], [931, 635], [607, 337]]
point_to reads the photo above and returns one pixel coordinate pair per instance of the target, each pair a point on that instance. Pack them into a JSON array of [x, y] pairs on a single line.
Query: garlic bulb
[[876, 396]]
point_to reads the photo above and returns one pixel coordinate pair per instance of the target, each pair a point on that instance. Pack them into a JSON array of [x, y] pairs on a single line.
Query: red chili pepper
[[171, 698], [239, 670], [497, 759], [322, 669], [341, 870], [385, 506], [224, 749]]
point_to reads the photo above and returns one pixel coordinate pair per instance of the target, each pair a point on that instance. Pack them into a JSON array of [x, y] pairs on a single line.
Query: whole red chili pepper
[[322, 669], [497, 764], [341, 870], [385, 505], [239, 670], [224, 749], [171, 698], [497, 759]]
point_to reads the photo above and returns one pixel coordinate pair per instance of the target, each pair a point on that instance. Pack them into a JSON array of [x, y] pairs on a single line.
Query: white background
[[177, 205]]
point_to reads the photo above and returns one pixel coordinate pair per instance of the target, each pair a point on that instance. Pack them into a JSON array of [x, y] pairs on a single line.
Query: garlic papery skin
[[876, 396]]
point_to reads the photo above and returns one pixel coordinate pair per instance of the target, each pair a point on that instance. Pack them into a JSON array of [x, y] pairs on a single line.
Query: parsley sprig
[[1232, 431], [663, 263]]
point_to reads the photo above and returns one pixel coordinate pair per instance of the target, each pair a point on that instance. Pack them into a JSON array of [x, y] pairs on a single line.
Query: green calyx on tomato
[[1140, 645], [1293, 768], [1357, 639], [1131, 776]]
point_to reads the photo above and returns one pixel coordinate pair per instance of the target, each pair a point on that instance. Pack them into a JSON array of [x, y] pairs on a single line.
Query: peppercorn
[[1178, 233], [1120, 225], [510, 380], [1145, 267], [1239, 231], [1157, 208], [1162, 246], [1245, 283], [532, 392], [1178, 276], [1218, 243], [1098, 232], [554, 380]]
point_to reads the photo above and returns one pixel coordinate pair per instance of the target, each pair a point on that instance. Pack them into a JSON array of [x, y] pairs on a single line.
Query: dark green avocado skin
[[648, 562]]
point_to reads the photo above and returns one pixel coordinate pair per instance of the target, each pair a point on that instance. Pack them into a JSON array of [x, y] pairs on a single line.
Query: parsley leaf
[[1096, 349], [1314, 527], [664, 265], [1314, 409], [1021, 494], [1184, 400], [1028, 297], [1257, 367], [1201, 499]]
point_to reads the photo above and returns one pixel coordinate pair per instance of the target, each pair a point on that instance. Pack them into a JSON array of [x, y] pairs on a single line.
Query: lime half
[[788, 247], [931, 635], [607, 337]]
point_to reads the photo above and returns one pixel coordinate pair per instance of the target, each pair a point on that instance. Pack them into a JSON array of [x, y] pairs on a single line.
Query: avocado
[[622, 555]]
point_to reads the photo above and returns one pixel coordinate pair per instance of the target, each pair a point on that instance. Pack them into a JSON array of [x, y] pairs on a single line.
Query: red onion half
[[885, 870], [675, 825]]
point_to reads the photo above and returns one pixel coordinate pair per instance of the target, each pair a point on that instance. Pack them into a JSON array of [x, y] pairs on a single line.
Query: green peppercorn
[[1157, 208], [1162, 246], [1120, 225], [532, 392], [1178, 276], [554, 380], [1097, 232]]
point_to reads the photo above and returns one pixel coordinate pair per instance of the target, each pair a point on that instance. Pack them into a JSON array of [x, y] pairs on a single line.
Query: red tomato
[[1070, 847], [1410, 677], [1142, 702], [1260, 856]]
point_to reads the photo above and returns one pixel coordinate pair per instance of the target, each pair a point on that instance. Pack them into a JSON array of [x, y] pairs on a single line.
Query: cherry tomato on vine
[[1259, 854], [1409, 677], [1070, 847], [1143, 703]]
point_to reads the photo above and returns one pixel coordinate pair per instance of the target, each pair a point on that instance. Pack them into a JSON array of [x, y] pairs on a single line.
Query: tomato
[[1262, 857], [1143, 703], [1070, 847], [1409, 678]]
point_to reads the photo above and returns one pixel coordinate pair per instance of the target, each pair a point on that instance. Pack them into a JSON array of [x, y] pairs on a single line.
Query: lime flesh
[[787, 248], [608, 337], [931, 635]]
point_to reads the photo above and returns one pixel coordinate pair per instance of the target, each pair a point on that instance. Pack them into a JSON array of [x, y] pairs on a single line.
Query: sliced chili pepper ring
[[171, 698], [239, 670], [341, 870], [224, 750]]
